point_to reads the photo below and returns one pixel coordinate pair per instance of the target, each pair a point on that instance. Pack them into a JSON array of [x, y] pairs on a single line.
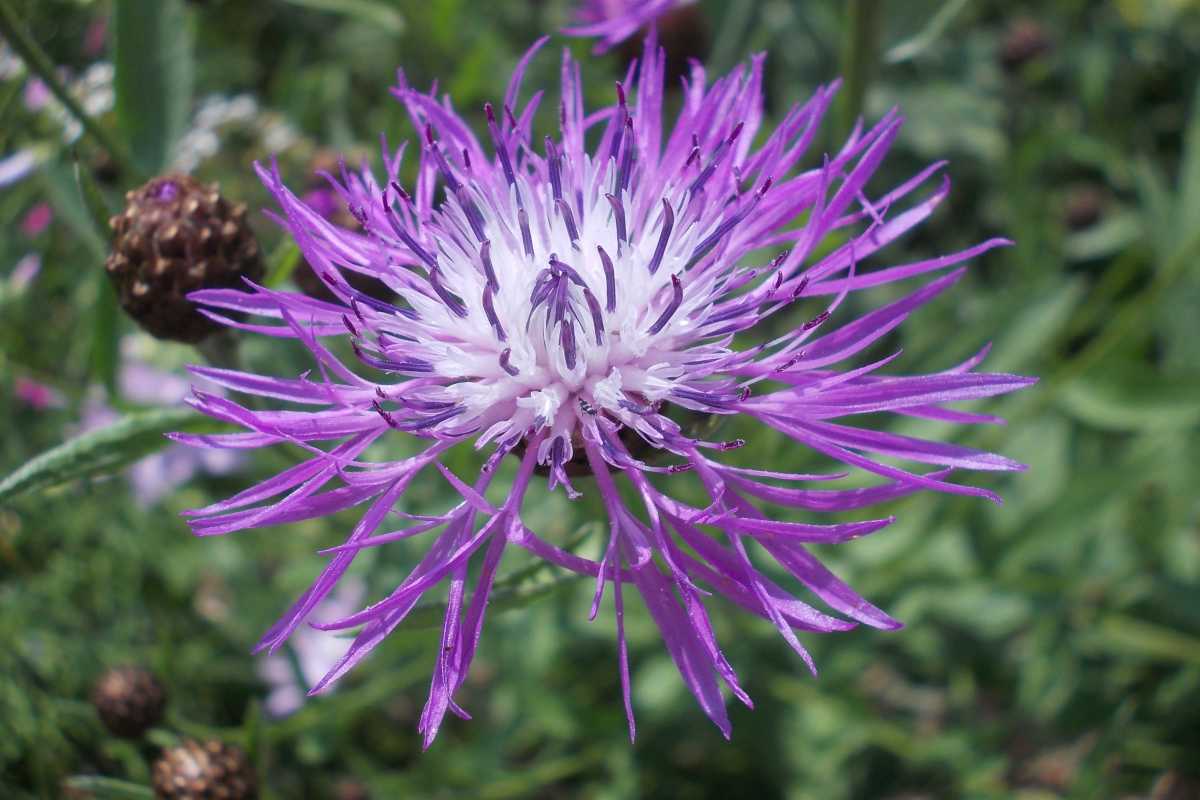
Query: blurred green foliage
[[1052, 646]]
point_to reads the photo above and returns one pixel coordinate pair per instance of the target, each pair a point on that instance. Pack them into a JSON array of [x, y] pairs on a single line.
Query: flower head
[[561, 303], [614, 21]]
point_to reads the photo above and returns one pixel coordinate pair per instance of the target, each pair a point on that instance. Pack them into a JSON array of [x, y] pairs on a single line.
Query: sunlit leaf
[[103, 451], [152, 55]]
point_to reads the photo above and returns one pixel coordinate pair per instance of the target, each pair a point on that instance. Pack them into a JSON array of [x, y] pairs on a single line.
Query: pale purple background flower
[[24, 272], [614, 21], [157, 475], [556, 301], [314, 653]]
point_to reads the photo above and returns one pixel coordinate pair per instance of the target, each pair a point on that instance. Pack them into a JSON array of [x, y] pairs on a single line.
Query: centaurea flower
[[559, 302], [614, 21]]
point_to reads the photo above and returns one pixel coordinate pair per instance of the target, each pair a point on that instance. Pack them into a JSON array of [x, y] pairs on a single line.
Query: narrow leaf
[[103, 451], [101, 788], [154, 72], [372, 12]]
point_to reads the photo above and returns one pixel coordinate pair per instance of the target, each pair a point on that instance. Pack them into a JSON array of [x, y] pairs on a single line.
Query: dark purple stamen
[[350, 326], [619, 214], [387, 417], [408, 365], [405, 236], [429, 422], [499, 143], [733, 444], [636, 408], [672, 307], [375, 305], [597, 316], [456, 306], [568, 270], [526, 237], [610, 281], [568, 218], [489, 309], [443, 166], [626, 166], [474, 216], [663, 236], [715, 161], [725, 227], [466, 160], [815, 321], [712, 399], [615, 149], [566, 337], [541, 289], [505, 365], [485, 256], [587, 407], [552, 162]]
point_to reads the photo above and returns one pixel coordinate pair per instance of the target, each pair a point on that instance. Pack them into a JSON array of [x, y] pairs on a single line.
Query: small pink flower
[[36, 395], [96, 37], [37, 220]]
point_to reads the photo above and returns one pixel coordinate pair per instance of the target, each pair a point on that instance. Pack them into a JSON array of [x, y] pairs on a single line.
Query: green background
[[1052, 646]]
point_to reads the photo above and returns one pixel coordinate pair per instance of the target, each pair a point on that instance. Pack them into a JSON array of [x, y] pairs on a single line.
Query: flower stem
[[860, 56], [39, 63]]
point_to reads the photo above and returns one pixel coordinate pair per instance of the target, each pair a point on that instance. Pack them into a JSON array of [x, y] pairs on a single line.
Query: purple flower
[[614, 21], [560, 303]]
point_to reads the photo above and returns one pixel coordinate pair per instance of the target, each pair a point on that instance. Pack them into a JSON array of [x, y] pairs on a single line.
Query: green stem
[[39, 63], [860, 56]]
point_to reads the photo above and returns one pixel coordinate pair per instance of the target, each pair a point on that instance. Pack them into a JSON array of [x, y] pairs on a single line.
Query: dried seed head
[[175, 236], [209, 771], [1085, 205], [1024, 41], [129, 700]]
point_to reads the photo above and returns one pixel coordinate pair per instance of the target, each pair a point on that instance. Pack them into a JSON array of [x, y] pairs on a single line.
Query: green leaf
[[1122, 635], [281, 264], [373, 12], [1027, 336], [914, 46], [1188, 209], [103, 788], [154, 71], [103, 451], [1129, 397], [106, 318]]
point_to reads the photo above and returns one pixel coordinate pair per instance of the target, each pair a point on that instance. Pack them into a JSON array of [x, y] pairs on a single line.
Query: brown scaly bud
[[1024, 41], [1084, 206], [129, 700], [209, 771], [177, 235]]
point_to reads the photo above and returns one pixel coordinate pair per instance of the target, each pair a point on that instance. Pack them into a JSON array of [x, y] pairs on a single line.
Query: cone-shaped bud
[[195, 771], [129, 700], [177, 235]]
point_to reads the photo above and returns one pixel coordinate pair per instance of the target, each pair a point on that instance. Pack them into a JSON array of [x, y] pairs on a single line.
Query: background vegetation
[[1052, 646]]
